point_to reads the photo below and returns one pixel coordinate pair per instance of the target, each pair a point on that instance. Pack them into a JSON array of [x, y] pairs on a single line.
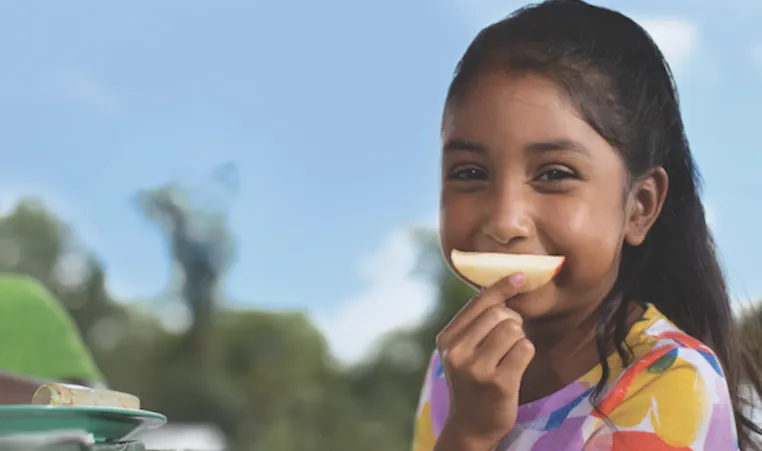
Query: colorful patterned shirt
[[672, 396]]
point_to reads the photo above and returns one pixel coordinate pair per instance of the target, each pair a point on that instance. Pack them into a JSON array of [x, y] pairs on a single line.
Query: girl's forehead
[[499, 106]]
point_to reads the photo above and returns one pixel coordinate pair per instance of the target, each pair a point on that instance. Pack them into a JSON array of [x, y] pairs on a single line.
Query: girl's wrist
[[453, 438]]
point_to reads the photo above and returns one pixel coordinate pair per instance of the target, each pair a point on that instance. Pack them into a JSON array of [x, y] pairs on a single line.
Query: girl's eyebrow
[[459, 145], [553, 145], [557, 145]]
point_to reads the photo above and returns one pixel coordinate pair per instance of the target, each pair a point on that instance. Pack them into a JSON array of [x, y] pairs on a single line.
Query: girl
[[562, 135]]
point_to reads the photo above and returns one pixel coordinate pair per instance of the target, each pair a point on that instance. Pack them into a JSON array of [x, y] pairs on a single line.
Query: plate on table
[[105, 423]]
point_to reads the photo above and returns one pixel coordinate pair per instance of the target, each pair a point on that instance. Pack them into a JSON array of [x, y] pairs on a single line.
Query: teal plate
[[106, 424]]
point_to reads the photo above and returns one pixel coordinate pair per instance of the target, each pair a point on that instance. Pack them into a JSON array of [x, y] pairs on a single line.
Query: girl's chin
[[534, 304]]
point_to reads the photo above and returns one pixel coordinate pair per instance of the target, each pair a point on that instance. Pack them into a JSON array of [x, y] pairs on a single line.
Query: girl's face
[[523, 173]]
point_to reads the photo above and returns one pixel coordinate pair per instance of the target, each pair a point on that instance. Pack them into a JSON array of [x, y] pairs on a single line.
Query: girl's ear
[[645, 203]]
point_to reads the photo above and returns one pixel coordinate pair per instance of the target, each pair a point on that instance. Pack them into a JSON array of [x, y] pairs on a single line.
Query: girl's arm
[[430, 432], [451, 440]]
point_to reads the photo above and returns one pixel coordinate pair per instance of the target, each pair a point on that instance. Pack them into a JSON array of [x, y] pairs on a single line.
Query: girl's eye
[[468, 174], [556, 174]]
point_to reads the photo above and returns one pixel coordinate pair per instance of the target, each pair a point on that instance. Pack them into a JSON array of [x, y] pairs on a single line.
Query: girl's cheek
[[589, 240], [585, 218], [458, 218]]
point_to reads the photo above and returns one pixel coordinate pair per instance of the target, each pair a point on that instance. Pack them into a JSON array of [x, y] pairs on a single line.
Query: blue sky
[[331, 111]]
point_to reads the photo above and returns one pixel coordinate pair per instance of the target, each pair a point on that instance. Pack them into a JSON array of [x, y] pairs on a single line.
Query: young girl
[[562, 135]]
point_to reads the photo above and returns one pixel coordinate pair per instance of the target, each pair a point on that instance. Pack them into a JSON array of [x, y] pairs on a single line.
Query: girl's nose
[[508, 217]]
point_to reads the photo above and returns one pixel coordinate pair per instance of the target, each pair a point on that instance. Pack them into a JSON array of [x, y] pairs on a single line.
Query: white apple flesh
[[485, 268]]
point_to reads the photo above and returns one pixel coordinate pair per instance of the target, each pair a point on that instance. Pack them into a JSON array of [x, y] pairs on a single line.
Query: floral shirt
[[672, 396]]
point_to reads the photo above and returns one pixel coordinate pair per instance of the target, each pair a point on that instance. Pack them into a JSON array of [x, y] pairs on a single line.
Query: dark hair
[[620, 83]]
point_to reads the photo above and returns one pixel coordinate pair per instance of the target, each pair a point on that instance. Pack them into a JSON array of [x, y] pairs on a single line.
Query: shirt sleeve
[[424, 437], [674, 398]]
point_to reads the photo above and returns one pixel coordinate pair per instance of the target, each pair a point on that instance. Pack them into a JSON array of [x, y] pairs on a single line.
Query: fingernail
[[518, 279]]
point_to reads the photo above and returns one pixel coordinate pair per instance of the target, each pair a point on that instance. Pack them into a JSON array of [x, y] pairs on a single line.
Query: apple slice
[[484, 269], [76, 395]]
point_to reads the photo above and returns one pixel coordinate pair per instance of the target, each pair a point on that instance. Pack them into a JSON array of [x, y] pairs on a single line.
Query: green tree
[[35, 242], [268, 379]]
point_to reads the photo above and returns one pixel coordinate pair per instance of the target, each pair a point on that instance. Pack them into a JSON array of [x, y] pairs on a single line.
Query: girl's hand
[[17, 389], [484, 354]]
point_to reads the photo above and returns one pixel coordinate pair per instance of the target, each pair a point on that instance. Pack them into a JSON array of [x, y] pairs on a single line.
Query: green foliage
[[267, 379]]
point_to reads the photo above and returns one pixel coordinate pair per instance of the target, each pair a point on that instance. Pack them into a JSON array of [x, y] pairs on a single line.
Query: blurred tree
[[451, 292], [750, 322], [31, 240], [269, 379], [200, 242], [35, 242], [281, 365]]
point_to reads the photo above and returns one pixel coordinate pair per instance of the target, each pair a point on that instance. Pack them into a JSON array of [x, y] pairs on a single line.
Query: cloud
[[711, 215], [85, 89], [676, 38], [743, 306], [394, 297]]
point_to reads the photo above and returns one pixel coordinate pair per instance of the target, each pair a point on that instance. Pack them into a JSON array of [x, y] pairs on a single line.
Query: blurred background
[[236, 200]]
